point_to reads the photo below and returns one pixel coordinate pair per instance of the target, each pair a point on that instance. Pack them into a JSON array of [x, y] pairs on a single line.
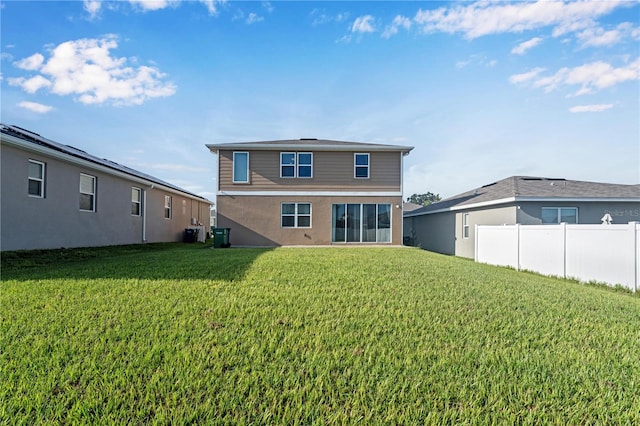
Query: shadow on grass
[[171, 261]]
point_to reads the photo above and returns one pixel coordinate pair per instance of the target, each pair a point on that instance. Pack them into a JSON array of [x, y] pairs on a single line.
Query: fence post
[[518, 246], [564, 249], [636, 255], [476, 244]]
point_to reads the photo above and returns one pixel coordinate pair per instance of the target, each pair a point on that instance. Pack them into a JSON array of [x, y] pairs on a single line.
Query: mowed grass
[[181, 334]]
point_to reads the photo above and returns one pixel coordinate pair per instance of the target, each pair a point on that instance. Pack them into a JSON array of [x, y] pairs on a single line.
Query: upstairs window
[[36, 179], [361, 166], [87, 193], [167, 206], [296, 164], [559, 215], [240, 167], [136, 201]]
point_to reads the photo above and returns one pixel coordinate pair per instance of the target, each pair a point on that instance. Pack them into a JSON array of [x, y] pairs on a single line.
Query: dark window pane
[[288, 171], [304, 159], [288, 221], [362, 172], [362, 160], [288, 208], [288, 158], [35, 187], [304, 171], [35, 170], [304, 208], [304, 221], [86, 202]]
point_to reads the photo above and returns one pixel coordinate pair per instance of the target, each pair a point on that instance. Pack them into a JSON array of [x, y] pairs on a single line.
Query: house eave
[[308, 147]]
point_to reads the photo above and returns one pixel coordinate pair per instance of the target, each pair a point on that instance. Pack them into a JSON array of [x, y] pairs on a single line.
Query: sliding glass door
[[361, 223]]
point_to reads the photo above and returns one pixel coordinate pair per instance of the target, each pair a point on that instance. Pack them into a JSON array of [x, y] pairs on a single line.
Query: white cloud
[[85, 68], [267, 6], [35, 107], [30, 85], [488, 17], [597, 36], [590, 77], [320, 17], [147, 5], [92, 7], [253, 18], [211, 5], [526, 45], [363, 24], [591, 108], [398, 22], [524, 77], [31, 63]]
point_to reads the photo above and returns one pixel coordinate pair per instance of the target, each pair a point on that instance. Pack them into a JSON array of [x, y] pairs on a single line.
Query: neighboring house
[[310, 192], [407, 207], [55, 196], [449, 226]]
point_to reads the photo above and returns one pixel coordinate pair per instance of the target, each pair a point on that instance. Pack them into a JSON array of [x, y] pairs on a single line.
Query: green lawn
[[184, 334]]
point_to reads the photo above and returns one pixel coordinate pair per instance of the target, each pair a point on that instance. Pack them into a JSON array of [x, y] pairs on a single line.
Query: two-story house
[[310, 192]]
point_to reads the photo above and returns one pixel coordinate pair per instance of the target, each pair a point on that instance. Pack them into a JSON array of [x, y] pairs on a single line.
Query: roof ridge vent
[[308, 139]]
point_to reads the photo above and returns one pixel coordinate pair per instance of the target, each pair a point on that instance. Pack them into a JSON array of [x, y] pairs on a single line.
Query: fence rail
[[602, 253]]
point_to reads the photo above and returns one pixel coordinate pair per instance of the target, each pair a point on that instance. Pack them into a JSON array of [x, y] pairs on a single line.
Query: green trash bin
[[221, 237]]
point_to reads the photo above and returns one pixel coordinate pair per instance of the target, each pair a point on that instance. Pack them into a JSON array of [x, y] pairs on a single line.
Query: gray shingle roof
[[524, 188], [35, 138]]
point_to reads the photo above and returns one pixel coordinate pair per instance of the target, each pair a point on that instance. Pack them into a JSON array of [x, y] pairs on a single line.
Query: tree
[[424, 199]]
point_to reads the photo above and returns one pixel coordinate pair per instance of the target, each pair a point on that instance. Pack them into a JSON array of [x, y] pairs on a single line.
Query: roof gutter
[[308, 147]]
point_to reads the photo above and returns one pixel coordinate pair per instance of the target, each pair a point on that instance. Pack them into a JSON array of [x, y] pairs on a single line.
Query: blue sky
[[482, 90]]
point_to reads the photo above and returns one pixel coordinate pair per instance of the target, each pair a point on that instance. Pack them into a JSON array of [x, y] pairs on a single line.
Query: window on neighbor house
[[36, 179], [465, 225], [559, 215], [295, 215], [296, 164], [136, 201], [167, 206], [361, 166], [87, 193], [240, 167]]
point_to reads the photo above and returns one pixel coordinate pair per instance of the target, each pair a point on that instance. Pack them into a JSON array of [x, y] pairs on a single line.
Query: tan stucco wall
[[255, 220]]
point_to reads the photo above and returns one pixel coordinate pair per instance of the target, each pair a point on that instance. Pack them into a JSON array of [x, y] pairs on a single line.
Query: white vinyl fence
[[601, 253]]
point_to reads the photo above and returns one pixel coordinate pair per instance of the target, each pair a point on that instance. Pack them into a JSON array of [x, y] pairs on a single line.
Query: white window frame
[[296, 215], [92, 194], [41, 180], [357, 166], [137, 202], [233, 171], [558, 214], [168, 207], [296, 165], [378, 229], [465, 226]]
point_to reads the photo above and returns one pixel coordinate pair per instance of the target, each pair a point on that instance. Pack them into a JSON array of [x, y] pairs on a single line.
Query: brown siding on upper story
[[332, 171]]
